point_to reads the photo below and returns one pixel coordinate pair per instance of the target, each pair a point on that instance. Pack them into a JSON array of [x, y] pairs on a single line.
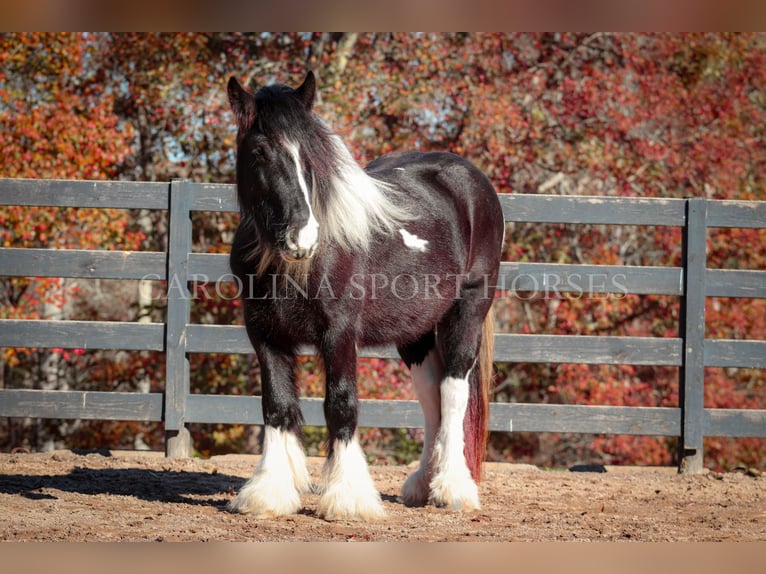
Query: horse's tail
[[476, 423]]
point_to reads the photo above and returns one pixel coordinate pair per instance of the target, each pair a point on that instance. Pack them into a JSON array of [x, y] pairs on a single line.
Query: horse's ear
[[307, 91], [242, 104]]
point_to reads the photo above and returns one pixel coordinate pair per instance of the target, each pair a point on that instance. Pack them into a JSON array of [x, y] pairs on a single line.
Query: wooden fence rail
[[689, 351]]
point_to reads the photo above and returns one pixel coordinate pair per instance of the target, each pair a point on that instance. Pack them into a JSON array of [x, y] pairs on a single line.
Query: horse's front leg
[[282, 474], [348, 491]]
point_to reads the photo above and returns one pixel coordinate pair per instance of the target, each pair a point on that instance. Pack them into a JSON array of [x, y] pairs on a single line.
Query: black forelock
[[282, 115], [274, 92], [280, 110]]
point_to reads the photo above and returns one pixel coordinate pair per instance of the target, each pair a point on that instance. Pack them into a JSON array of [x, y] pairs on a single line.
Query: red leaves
[[627, 114]]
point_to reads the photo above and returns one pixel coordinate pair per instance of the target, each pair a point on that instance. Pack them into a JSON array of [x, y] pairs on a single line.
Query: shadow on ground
[[151, 485]]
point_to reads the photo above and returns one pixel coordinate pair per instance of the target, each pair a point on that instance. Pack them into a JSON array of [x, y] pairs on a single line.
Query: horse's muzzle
[[300, 245]]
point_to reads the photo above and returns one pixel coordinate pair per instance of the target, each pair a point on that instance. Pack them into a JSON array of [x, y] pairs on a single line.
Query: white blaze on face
[[413, 241], [309, 234]]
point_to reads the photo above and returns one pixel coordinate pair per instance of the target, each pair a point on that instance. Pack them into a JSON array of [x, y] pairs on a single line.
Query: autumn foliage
[[644, 115]]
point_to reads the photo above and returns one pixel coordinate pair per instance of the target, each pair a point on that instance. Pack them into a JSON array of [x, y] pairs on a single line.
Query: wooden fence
[[690, 351]]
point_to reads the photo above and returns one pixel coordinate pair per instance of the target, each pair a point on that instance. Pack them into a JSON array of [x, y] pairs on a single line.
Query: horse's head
[[274, 180]]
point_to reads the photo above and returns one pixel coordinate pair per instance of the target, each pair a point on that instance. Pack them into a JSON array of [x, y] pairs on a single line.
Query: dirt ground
[[135, 496]]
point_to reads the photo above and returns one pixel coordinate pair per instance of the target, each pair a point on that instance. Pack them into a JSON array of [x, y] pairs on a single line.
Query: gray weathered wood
[[82, 263], [210, 267], [592, 419], [735, 353], [224, 409], [72, 193], [690, 351], [606, 350], [178, 313], [540, 279], [508, 347], [592, 210], [213, 197], [96, 405], [178, 442], [506, 417], [217, 339], [735, 422], [733, 213], [692, 327], [735, 283], [82, 334]]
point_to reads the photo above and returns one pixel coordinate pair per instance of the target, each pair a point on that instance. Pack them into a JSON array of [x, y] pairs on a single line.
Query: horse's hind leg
[[427, 368], [348, 491], [459, 340], [282, 474]]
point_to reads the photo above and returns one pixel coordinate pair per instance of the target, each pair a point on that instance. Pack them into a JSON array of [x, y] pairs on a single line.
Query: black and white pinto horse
[[404, 252]]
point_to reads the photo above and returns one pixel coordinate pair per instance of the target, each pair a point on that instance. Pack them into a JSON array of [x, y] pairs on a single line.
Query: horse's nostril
[[291, 239]]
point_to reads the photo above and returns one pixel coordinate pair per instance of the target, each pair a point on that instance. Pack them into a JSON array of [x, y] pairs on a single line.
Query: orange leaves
[[53, 131], [629, 114]]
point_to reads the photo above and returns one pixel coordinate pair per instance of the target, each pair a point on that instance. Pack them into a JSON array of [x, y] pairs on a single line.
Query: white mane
[[358, 205]]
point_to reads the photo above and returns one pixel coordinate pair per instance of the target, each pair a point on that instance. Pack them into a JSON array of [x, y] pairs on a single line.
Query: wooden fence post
[[691, 383], [177, 438]]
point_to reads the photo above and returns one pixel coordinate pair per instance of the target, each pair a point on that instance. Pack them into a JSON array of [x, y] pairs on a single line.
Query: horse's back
[[452, 191], [443, 169]]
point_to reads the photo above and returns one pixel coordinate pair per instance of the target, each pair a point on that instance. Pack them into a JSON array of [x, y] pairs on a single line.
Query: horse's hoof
[[415, 489], [341, 506], [260, 502], [457, 493]]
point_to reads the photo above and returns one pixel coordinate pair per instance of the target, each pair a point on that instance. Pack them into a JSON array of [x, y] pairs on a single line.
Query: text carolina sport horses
[[404, 252]]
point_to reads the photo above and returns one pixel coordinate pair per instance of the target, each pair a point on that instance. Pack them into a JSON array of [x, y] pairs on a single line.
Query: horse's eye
[[260, 150], [260, 153]]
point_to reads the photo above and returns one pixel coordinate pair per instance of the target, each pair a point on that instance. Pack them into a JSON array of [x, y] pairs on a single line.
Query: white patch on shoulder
[[413, 241], [398, 169]]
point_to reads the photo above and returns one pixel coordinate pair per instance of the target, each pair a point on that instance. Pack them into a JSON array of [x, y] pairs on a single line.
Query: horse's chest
[[283, 318]]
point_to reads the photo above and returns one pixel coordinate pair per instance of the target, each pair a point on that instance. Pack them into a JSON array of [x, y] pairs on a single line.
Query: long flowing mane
[[350, 205]]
